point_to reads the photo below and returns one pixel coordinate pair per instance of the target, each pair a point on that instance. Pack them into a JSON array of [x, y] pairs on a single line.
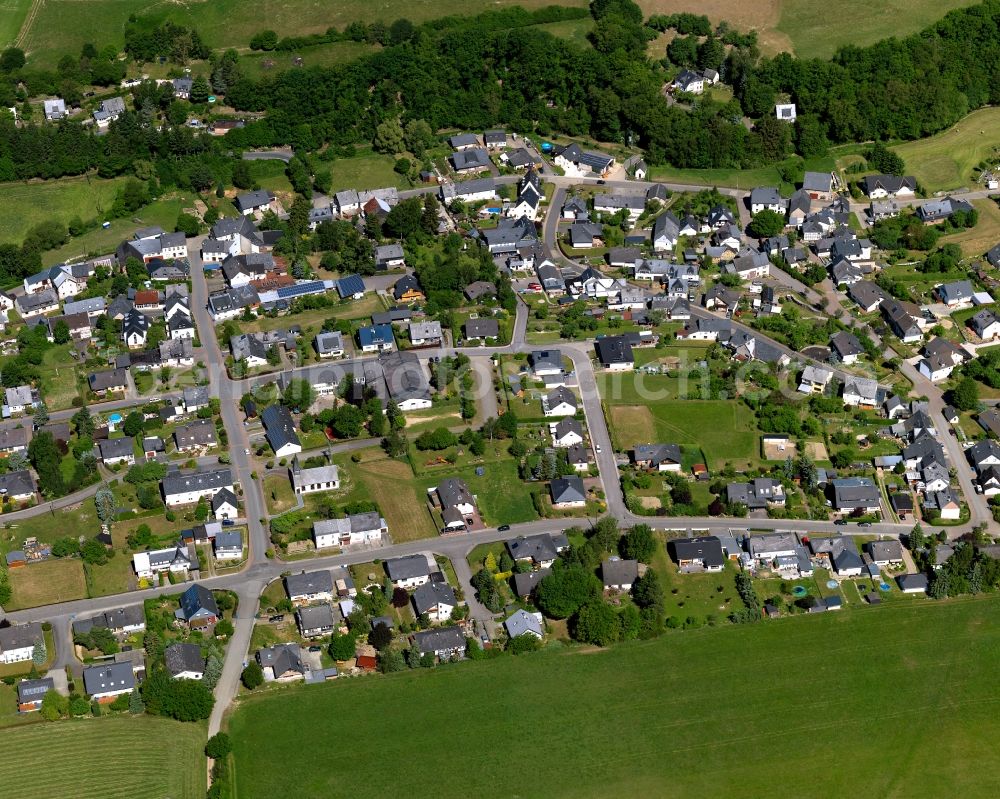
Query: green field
[[27, 204], [838, 704], [12, 16], [146, 758], [946, 161], [62, 26], [815, 32]]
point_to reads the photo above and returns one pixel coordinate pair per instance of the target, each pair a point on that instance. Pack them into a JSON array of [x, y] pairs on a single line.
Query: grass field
[[849, 685], [59, 378], [30, 203], [814, 32], [63, 27], [946, 161], [735, 178], [167, 753], [390, 484], [13, 13], [53, 580], [976, 241], [367, 170]]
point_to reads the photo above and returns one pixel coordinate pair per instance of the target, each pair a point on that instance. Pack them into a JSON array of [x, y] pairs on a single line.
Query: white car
[[246, 452], [597, 448]]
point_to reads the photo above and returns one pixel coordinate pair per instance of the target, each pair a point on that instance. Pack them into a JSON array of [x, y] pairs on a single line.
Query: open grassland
[[986, 233], [140, 758], [63, 26], [946, 161], [27, 204], [13, 13], [403, 504], [52, 580], [851, 685], [816, 29]]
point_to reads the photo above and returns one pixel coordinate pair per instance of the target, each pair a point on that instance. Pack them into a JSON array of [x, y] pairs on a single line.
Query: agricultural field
[[977, 240], [168, 753], [672, 736], [403, 504], [13, 13], [946, 160], [28, 204]]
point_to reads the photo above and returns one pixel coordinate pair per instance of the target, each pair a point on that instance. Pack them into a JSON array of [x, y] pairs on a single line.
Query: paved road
[[269, 155]]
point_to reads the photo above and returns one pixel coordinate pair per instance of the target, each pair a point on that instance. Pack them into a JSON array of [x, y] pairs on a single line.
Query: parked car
[[228, 523], [503, 528], [840, 521], [864, 524]]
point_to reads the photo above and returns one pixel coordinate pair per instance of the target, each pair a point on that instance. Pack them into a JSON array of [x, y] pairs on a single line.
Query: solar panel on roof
[[312, 287]]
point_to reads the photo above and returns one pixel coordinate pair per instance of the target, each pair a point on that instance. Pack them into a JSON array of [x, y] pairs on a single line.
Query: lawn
[[270, 175], [891, 732], [12, 16], [501, 495], [278, 493], [986, 233], [53, 580], [367, 170], [323, 55], [946, 161], [168, 754], [402, 503], [27, 204], [734, 178], [59, 378]]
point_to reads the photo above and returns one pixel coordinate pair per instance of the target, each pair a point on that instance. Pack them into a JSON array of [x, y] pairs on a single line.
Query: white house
[[106, 682], [410, 571], [175, 559], [566, 433], [186, 489], [359, 529], [436, 600], [559, 402], [17, 642], [315, 478]]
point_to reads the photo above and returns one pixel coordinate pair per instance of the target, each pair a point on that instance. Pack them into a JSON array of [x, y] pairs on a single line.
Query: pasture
[[986, 233], [62, 27], [147, 757], [648, 718], [27, 204], [13, 13], [946, 160]]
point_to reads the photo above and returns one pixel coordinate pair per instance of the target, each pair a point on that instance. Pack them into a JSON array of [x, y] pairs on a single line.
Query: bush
[[218, 746]]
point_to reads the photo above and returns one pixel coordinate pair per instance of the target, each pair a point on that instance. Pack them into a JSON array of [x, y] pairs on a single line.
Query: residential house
[[956, 293], [315, 621], [480, 329], [885, 553], [661, 457], [186, 489], [785, 112], [13, 439], [228, 545], [377, 338], [863, 392], [224, 504], [184, 661], [855, 495], [814, 379], [615, 353], [108, 111], [578, 163], [702, 553], [469, 191], [279, 429], [152, 244], [195, 436], [54, 109], [176, 559], [878, 186], [666, 231], [17, 486], [985, 324], [883, 209], [521, 622], [619, 574], [559, 402], [566, 432], [253, 202], [389, 256], [913, 583], [436, 600], [842, 552], [758, 494], [106, 682], [866, 294], [308, 587], [445, 643], [406, 381], [541, 549], [315, 478], [281, 663], [17, 642], [457, 503], [463, 141], [30, 693], [934, 211], [846, 347], [568, 492], [425, 334], [410, 571], [767, 199], [818, 185], [198, 608], [940, 359], [38, 304], [329, 345], [358, 529], [117, 450], [943, 504]]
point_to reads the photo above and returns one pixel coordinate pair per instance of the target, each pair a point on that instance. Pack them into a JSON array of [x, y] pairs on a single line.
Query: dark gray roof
[[282, 659], [568, 489], [198, 601], [309, 583], [108, 678], [315, 617], [614, 349], [618, 571], [199, 433], [405, 377], [16, 483], [407, 567], [34, 690], [130, 616], [252, 199], [708, 549], [431, 594], [181, 483], [280, 426], [525, 582], [179, 658], [539, 547], [482, 328], [19, 636], [439, 639], [117, 447]]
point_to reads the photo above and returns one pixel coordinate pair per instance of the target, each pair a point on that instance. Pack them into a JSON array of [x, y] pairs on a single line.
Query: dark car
[[840, 521], [503, 528], [315, 649], [228, 522], [601, 182], [864, 524]]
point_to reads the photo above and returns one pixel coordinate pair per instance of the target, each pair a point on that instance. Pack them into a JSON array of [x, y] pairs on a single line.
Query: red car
[[535, 286]]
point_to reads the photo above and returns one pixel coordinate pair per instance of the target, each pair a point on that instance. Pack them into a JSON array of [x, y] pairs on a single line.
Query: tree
[[54, 705], [647, 591], [400, 598], [41, 415], [597, 623], [563, 592], [438, 439], [12, 59], [135, 703], [380, 637], [418, 136], [389, 137], [606, 533], [199, 90], [224, 628], [391, 660], [83, 423], [46, 458], [965, 395], [766, 223], [342, 647], [213, 670], [40, 653], [187, 224], [298, 395], [218, 746], [638, 543], [132, 426], [184, 700], [253, 675]]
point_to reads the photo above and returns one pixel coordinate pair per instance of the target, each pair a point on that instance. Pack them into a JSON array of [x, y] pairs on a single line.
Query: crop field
[[148, 758], [946, 161], [28, 204], [651, 718], [13, 13]]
